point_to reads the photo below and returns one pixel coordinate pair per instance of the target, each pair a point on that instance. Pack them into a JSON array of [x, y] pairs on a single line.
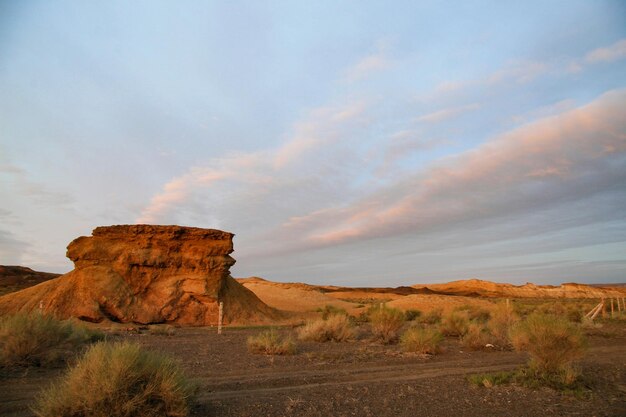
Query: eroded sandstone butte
[[146, 274]]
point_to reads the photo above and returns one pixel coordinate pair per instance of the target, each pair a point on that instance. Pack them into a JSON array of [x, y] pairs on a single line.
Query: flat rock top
[[177, 232]]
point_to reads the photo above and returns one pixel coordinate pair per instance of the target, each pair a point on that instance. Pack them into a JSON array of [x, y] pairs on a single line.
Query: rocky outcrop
[[146, 274]]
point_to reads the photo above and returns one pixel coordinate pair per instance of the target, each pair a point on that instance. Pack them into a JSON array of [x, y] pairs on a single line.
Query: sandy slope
[[293, 296]]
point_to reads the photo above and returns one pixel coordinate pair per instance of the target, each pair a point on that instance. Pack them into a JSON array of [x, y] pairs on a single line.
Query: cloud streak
[[566, 157]]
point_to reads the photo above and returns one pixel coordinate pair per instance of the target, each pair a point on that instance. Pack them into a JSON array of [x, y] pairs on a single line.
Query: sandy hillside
[[295, 297], [477, 287]]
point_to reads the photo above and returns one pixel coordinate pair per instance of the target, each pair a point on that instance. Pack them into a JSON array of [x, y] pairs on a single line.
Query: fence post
[[220, 317], [598, 308]]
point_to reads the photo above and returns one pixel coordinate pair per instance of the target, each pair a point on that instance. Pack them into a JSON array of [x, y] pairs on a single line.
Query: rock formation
[[146, 274]]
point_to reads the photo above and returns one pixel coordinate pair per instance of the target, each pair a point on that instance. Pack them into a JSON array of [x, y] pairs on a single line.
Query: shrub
[[552, 342], [503, 317], [118, 380], [412, 314], [420, 340], [492, 379], [475, 313], [330, 310], [37, 339], [336, 328], [477, 337], [269, 342], [454, 324], [432, 317], [162, 330], [386, 323]]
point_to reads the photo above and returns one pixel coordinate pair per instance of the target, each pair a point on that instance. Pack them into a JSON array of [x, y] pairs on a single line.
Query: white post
[[600, 308], [612, 310], [220, 318], [593, 310]]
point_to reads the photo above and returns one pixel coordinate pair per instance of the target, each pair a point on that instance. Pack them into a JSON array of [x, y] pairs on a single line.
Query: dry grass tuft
[[553, 343], [454, 324], [336, 328], [432, 317], [162, 330], [421, 340], [503, 317], [270, 342], [386, 323], [477, 337], [39, 340], [118, 380]]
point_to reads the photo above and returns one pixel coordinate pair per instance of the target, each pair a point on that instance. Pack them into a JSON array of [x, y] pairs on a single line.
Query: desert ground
[[362, 377]]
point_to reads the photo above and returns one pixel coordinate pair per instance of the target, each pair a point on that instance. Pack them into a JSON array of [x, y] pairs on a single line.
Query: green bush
[[337, 328], [39, 340], [421, 340], [118, 380], [552, 342], [269, 342], [386, 323]]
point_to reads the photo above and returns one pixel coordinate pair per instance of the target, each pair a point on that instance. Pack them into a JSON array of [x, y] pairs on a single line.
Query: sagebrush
[[421, 340], [118, 380], [386, 323], [270, 342], [552, 342], [454, 324], [336, 328], [36, 339]]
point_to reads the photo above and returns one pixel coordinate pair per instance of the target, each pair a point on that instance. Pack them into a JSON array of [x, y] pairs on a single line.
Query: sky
[[361, 143]]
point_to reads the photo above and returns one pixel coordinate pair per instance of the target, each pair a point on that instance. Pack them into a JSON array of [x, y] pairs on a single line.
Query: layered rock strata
[[146, 274]]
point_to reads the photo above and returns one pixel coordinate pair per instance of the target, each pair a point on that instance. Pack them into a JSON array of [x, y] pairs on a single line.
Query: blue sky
[[355, 143]]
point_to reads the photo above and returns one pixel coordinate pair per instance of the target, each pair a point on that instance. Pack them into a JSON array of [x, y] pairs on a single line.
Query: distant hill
[[15, 278], [477, 287]]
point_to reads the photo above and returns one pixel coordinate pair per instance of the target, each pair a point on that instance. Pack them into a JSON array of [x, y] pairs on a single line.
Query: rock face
[[146, 274]]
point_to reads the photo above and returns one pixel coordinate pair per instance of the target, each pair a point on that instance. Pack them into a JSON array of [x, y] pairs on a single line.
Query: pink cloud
[[607, 54], [529, 164]]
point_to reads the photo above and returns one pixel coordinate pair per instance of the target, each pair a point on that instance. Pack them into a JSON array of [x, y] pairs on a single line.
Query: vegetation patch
[[386, 323], [270, 342], [477, 337], [36, 339], [503, 318], [526, 377], [454, 324], [336, 328], [553, 344], [118, 380], [330, 310], [421, 340], [162, 330]]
